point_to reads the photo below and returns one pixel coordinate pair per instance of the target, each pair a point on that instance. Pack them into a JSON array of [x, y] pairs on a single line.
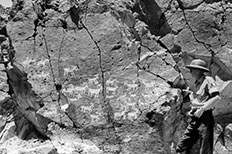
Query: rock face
[[113, 71]]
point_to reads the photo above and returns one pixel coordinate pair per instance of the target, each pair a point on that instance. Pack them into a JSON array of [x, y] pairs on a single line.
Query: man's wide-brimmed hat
[[198, 64]]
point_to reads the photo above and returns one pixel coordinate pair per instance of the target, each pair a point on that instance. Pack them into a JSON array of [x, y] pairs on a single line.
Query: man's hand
[[195, 103], [199, 112]]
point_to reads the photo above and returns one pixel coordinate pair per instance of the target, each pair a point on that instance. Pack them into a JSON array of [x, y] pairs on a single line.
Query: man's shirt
[[205, 88]]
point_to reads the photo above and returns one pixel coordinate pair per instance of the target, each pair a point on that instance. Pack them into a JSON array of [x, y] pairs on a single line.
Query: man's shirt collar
[[199, 81]]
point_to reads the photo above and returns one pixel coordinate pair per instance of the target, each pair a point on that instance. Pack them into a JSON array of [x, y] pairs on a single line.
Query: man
[[203, 99]]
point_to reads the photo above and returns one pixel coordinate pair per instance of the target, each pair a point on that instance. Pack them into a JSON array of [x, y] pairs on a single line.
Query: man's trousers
[[198, 128]]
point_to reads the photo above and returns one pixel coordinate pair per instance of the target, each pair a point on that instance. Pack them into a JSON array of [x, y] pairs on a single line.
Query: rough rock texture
[[109, 74]]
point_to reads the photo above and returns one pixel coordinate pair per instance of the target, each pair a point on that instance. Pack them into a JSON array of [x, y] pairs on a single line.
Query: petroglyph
[[70, 70]]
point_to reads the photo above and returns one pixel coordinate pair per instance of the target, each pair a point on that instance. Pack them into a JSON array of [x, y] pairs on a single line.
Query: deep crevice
[[75, 16], [157, 21], [49, 57], [106, 106], [207, 46], [181, 5]]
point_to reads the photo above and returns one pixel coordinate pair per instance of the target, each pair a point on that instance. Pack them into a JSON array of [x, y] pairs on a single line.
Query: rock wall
[[109, 68]]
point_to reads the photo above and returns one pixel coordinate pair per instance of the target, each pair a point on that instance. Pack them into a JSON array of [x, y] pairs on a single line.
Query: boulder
[[27, 103], [115, 61], [18, 146], [40, 149], [222, 109]]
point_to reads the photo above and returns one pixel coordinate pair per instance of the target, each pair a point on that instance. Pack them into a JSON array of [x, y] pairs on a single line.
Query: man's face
[[196, 73]]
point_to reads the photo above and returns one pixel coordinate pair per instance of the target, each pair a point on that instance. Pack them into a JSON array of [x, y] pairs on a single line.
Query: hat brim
[[197, 67]]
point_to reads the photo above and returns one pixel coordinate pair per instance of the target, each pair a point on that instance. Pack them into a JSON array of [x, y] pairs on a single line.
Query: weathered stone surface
[[101, 60], [8, 132], [188, 4], [3, 120], [23, 104], [3, 82], [41, 149], [203, 34], [57, 111], [17, 146], [3, 85], [222, 107], [3, 150]]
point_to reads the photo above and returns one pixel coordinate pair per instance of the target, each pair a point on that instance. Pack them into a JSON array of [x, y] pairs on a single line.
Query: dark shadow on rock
[[150, 13], [214, 1], [176, 49], [3, 31], [75, 14], [17, 6], [223, 119], [154, 119], [29, 124]]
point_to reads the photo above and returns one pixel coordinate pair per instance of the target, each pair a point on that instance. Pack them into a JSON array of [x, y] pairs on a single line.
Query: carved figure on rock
[[203, 100]]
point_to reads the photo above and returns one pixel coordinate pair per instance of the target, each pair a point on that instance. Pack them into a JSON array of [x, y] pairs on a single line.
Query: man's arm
[[208, 105], [195, 103], [211, 102]]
